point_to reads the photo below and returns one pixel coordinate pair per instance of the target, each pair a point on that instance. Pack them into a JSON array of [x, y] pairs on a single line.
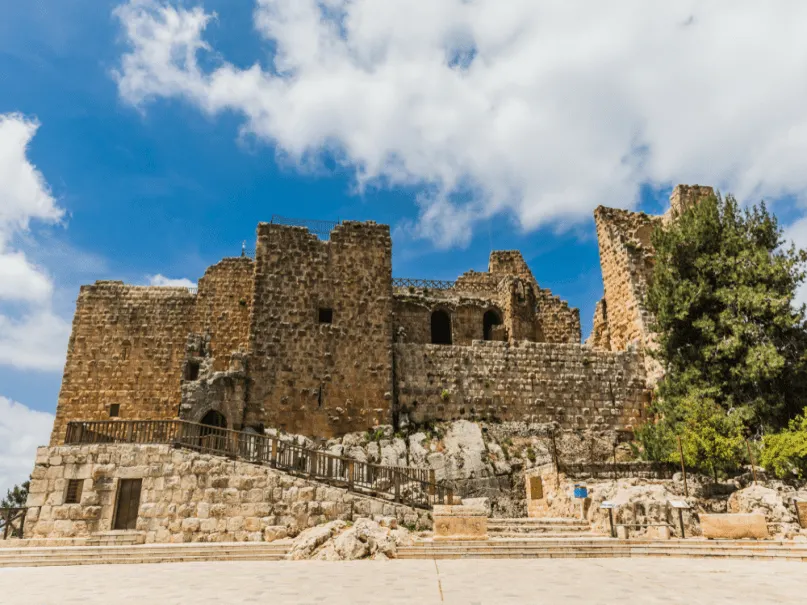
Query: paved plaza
[[419, 582]]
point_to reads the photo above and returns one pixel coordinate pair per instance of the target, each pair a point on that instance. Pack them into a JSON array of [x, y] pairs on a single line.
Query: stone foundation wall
[[187, 497], [127, 347], [523, 381]]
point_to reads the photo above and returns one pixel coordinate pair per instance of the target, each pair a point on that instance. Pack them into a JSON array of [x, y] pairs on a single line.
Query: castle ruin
[[314, 336]]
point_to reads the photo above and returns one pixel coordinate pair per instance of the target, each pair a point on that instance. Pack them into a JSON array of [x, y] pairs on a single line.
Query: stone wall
[[523, 381], [187, 497], [319, 378], [223, 305], [413, 314], [127, 347]]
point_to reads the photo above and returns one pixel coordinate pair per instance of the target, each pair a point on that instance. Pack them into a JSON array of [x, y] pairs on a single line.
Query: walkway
[[424, 582]]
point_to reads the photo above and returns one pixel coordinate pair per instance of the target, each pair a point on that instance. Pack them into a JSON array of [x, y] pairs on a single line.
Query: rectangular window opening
[[73, 495], [325, 316], [192, 370], [114, 410]]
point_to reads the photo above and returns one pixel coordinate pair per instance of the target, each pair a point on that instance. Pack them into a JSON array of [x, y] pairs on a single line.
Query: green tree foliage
[[16, 496], [785, 453], [732, 345]]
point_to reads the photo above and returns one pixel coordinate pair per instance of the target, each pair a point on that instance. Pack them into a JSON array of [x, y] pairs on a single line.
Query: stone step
[[605, 548], [163, 553], [537, 520], [547, 533]]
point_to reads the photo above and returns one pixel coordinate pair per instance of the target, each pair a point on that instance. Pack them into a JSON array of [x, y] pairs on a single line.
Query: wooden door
[[128, 503]]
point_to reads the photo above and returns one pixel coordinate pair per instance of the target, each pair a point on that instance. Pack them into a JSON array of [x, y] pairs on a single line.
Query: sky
[[143, 140]]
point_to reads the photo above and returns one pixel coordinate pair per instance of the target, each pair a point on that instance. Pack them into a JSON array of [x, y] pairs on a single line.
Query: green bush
[[785, 453]]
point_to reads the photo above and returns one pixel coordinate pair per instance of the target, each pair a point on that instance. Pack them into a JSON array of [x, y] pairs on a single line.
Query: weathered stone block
[[734, 526]]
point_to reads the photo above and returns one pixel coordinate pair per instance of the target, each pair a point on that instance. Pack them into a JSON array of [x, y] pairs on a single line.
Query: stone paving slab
[[423, 582]]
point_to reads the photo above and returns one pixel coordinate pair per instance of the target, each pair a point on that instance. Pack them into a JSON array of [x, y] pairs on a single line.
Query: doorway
[[128, 504]]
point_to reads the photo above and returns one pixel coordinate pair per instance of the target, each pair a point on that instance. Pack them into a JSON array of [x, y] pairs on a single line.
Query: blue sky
[[466, 127]]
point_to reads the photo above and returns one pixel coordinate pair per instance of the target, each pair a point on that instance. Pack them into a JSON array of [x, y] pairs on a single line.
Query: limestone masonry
[[314, 336]]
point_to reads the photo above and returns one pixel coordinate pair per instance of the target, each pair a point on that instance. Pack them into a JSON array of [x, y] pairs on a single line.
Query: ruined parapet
[[557, 321], [125, 354], [626, 259], [684, 197]]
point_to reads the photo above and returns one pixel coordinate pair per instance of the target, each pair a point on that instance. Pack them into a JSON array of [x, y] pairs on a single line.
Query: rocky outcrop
[[340, 541]]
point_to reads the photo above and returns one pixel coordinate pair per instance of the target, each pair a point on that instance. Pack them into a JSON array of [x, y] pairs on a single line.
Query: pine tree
[[729, 337], [16, 496]]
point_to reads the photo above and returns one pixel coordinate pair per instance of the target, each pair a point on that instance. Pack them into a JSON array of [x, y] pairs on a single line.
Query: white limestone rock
[[305, 544]]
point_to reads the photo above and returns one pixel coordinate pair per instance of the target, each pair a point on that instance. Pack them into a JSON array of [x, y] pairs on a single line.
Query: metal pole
[[683, 468], [681, 521], [751, 458], [611, 521]]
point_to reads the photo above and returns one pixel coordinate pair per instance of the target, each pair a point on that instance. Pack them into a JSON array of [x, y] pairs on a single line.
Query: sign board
[[679, 504], [606, 504]]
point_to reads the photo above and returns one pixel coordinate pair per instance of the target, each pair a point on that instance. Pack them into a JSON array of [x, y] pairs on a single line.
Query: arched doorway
[[489, 321], [213, 435], [441, 328]]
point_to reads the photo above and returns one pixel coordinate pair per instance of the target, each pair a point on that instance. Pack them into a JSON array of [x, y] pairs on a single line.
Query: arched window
[[215, 419], [441, 328], [489, 321]]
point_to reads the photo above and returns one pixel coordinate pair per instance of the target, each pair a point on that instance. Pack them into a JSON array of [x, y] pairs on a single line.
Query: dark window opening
[[325, 316], [74, 487], [192, 370], [114, 410], [441, 328], [489, 321], [319, 397]]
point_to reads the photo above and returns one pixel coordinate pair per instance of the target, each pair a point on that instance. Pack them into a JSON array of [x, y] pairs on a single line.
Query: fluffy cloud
[[162, 280], [33, 336], [536, 108], [22, 430]]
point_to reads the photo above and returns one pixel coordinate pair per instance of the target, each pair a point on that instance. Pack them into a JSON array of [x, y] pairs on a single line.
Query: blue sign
[[580, 491]]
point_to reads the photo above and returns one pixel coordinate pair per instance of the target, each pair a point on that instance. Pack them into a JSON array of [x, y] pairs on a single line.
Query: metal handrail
[[412, 486], [317, 227], [7, 518]]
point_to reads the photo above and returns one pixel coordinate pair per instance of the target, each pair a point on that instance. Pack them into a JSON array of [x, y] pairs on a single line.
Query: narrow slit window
[[192, 371], [73, 495], [325, 315], [114, 410]]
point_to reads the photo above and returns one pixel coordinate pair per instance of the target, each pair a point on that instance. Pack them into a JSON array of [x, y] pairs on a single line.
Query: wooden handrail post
[[683, 468], [273, 458], [129, 430], [432, 482], [450, 496], [350, 468], [397, 481], [312, 461]]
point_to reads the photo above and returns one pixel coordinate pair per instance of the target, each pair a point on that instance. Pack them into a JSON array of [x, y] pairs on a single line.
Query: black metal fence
[[321, 229], [411, 486]]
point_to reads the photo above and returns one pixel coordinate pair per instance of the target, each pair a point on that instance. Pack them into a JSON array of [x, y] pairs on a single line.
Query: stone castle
[[314, 336]]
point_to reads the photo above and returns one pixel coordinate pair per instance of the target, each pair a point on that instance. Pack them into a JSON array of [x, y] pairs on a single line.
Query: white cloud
[[796, 233], [25, 193], [22, 430], [540, 109], [35, 337], [162, 280]]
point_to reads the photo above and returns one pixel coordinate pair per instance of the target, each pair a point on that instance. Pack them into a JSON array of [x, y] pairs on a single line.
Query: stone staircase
[[33, 556], [571, 548], [539, 528]]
